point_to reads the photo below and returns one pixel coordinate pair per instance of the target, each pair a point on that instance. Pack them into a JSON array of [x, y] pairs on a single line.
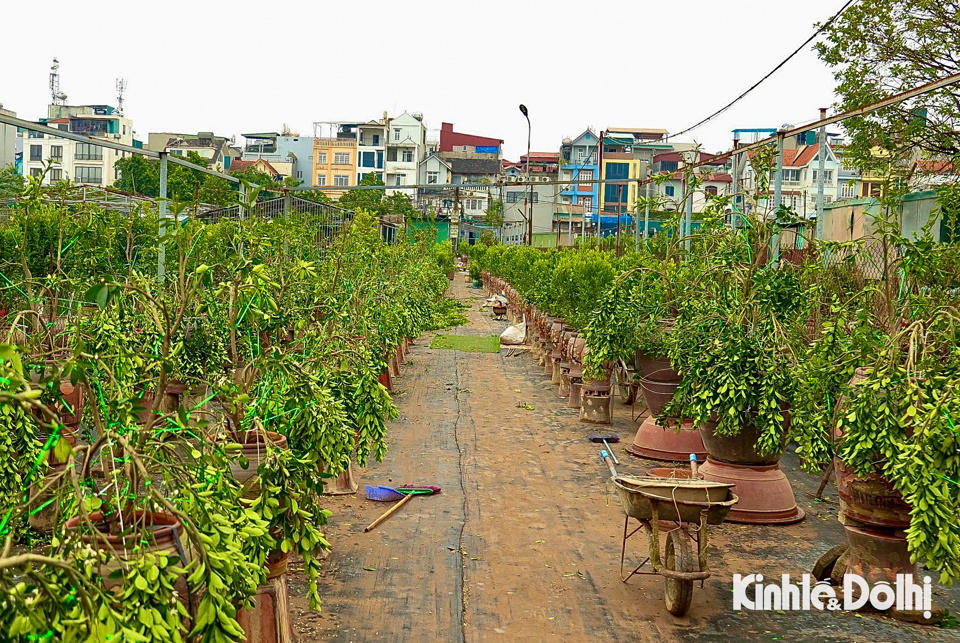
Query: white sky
[[244, 66]]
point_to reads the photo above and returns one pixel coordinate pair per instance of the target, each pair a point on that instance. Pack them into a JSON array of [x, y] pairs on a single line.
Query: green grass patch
[[467, 343]]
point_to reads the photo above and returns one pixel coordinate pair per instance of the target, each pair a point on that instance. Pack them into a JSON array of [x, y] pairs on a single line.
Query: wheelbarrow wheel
[[625, 385], [678, 594]]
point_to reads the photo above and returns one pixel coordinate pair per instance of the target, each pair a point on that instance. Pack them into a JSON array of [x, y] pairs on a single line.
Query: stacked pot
[[676, 438]]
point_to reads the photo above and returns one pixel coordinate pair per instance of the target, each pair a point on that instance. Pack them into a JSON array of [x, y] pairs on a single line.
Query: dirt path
[[523, 544]]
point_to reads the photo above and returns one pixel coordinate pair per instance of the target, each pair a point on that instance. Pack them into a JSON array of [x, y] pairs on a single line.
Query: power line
[[769, 74]]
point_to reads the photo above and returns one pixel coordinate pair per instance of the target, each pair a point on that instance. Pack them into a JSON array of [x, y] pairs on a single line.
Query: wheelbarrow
[[679, 510]]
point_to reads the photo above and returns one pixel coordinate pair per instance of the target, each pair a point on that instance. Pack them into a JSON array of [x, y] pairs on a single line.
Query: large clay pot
[[255, 445], [870, 499], [766, 496], [878, 555], [161, 532], [658, 381], [737, 449]]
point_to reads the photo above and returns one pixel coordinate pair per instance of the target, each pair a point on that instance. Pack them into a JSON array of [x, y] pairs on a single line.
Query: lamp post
[[526, 114]]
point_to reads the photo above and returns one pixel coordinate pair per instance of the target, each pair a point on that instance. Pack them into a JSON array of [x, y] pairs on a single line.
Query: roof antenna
[[121, 87], [56, 96]]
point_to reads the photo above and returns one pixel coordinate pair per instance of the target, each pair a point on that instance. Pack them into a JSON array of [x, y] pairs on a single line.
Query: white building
[[434, 170], [406, 147], [85, 163], [8, 141], [800, 175]]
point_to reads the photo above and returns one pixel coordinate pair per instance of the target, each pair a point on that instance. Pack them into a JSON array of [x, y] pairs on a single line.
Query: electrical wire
[[768, 75]]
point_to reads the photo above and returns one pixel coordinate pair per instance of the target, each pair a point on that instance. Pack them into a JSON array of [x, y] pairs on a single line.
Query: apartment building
[[85, 163]]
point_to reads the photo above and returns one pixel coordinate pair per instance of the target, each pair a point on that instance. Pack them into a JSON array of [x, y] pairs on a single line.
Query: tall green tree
[[882, 47], [11, 182]]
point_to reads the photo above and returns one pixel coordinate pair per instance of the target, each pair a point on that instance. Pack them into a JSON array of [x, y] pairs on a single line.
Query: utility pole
[[600, 184], [161, 252], [735, 158], [526, 115], [455, 220], [688, 222], [646, 216], [822, 153], [777, 195]]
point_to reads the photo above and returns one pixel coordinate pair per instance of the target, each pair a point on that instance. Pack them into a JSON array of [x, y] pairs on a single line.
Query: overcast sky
[[244, 66]]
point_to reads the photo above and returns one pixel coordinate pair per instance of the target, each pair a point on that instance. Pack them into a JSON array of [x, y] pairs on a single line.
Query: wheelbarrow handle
[[606, 458]]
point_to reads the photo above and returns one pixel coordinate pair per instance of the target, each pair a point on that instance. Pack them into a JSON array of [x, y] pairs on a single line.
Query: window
[[56, 153], [322, 158], [34, 171], [35, 135], [711, 190], [789, 176], [341, 179], [56, 175], [341, 158], [668, 190], [580, 154], [396, 135], [376, 140], [433, 177], [407, 156], [827, 198], [848, 190], [514, 197], [474, 204], [585, 175], [618, 170], [366, 159], [399, 180], [89, 152], [299, 174], [615, 193], [36, 152], [93, 175], [321, 179], [586, 202], [827, 176]]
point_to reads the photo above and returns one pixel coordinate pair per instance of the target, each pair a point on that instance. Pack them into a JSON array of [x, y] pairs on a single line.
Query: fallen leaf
[[541, 541], [370, 569]]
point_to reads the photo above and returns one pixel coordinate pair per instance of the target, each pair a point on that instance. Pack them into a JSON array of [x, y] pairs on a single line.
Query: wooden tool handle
[[388, 513]]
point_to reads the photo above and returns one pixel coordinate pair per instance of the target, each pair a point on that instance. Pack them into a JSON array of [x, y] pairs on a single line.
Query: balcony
[[322, 143]]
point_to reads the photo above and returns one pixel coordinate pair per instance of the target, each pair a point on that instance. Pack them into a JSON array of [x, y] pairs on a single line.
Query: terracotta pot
[[738, 449], [664, 443], [160, 533], [255, 445], [878, 555], [576, 391], [870, 499], [766, 497], [386, 379], [658, 381]]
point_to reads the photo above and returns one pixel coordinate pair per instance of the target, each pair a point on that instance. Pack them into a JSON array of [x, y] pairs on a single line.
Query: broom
[[389, 494]]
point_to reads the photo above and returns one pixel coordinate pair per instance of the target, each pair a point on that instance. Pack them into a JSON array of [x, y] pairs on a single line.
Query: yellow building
[[627, 155], [335, 163]]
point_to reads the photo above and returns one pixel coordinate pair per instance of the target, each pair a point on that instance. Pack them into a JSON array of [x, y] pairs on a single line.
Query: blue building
[[578, 162]]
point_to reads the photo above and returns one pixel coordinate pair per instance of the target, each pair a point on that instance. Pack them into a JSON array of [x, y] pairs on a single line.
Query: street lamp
[[526, 114]]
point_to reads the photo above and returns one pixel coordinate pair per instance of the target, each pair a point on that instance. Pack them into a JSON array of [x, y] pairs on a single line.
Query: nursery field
[[523, 543]]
